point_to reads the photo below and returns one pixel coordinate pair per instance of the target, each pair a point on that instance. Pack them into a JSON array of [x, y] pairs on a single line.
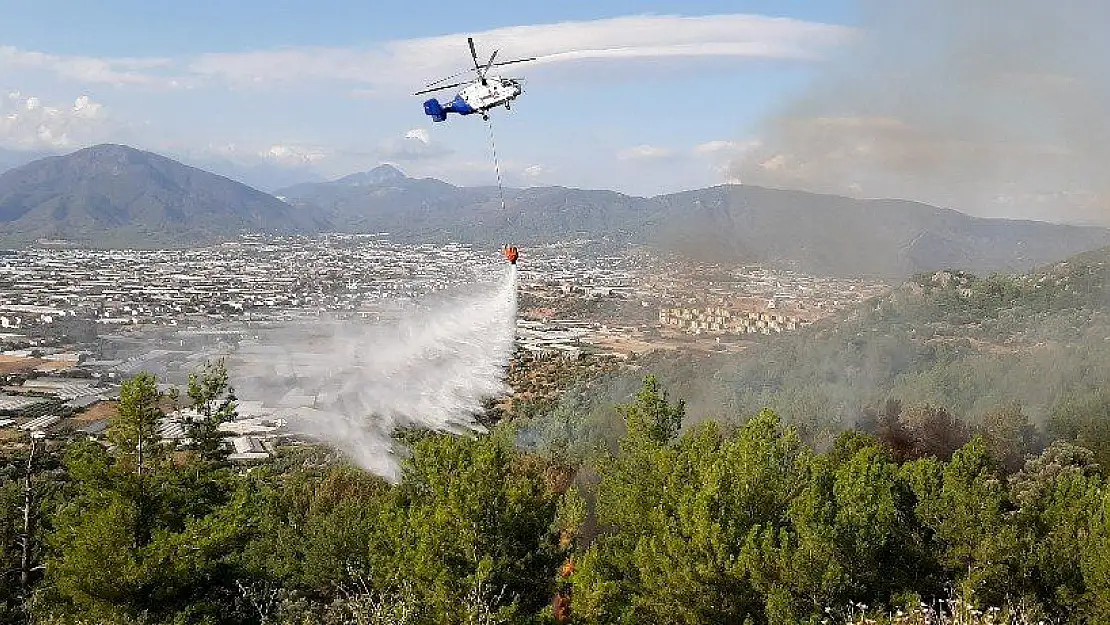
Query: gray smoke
[[351, 383], [993, 107]]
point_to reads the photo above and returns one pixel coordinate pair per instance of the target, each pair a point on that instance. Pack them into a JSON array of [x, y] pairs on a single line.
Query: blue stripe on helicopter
[[459, 105], [438, 112]]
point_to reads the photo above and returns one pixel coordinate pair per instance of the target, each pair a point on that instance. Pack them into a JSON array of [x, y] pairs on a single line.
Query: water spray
[[351, 383]]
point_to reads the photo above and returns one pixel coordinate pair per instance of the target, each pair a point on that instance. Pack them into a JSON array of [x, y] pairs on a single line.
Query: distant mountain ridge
[[109, 195], [381, 174], [822, 234], [112, 195]]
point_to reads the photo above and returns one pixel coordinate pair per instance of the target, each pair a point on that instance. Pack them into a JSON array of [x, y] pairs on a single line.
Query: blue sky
[[279, 90], [995, 108]]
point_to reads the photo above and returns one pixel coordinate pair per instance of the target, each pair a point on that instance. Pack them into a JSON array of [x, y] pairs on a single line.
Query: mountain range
[[822, 234], [253, 170], [112, 195]]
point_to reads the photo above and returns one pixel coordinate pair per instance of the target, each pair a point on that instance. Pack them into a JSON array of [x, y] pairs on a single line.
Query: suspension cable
[[496, 164]]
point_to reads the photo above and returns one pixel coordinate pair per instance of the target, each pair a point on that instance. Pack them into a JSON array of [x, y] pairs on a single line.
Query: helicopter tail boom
[[438, 110]]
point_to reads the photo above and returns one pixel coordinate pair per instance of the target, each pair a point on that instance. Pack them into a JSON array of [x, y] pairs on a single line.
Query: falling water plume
[[351, 383]]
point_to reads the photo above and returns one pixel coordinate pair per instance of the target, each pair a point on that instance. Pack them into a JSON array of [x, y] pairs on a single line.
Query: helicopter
[[477, 96]]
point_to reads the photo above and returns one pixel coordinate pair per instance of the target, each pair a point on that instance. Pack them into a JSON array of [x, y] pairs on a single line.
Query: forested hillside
[[699, 524], [972, 345]]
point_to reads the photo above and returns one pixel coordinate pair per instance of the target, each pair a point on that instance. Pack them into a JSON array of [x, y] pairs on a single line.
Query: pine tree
[[134, 430], [214, 399]]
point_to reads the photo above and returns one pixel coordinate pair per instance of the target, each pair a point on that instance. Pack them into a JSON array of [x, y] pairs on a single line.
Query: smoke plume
[[997, 108], [351, 383]]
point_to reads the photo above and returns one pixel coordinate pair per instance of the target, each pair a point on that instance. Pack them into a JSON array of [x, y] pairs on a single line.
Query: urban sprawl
[[74, 323]]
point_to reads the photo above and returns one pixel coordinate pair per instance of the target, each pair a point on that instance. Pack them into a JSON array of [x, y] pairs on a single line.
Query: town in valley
[[74, 323]]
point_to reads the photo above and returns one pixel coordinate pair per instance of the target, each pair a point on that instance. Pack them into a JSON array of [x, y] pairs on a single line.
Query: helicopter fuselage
[[494, 93], [476, 98]]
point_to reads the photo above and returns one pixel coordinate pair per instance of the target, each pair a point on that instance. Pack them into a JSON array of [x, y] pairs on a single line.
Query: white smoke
[[351, 383], [997, 108]]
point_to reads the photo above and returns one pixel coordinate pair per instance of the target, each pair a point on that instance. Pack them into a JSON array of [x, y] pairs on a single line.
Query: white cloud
[[723, 148], [293, 155], [122, 71], [398, 66], [267, 168], [415, 145], [392, 66], [29, 124], [719, 152], [532, 175], [715, 157], [645, 153], [420, 134], [85, 108], [268, 160]]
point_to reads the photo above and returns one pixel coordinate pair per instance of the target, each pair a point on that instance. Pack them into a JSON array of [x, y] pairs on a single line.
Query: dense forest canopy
[[702, 524]]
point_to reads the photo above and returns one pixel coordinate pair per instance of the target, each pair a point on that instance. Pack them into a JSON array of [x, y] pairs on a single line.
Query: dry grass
[[16, 364], [103, 410], [948, 612], [54, 365]]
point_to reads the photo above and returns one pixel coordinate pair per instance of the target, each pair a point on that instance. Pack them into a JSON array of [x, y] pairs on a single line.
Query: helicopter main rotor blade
[[451, 77], [490, 64], [423, 91], [481, 71], [531, 58], [477, 68], [474, 57]]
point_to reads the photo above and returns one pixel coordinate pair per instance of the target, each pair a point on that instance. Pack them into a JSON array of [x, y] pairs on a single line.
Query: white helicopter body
[[478, 96]]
